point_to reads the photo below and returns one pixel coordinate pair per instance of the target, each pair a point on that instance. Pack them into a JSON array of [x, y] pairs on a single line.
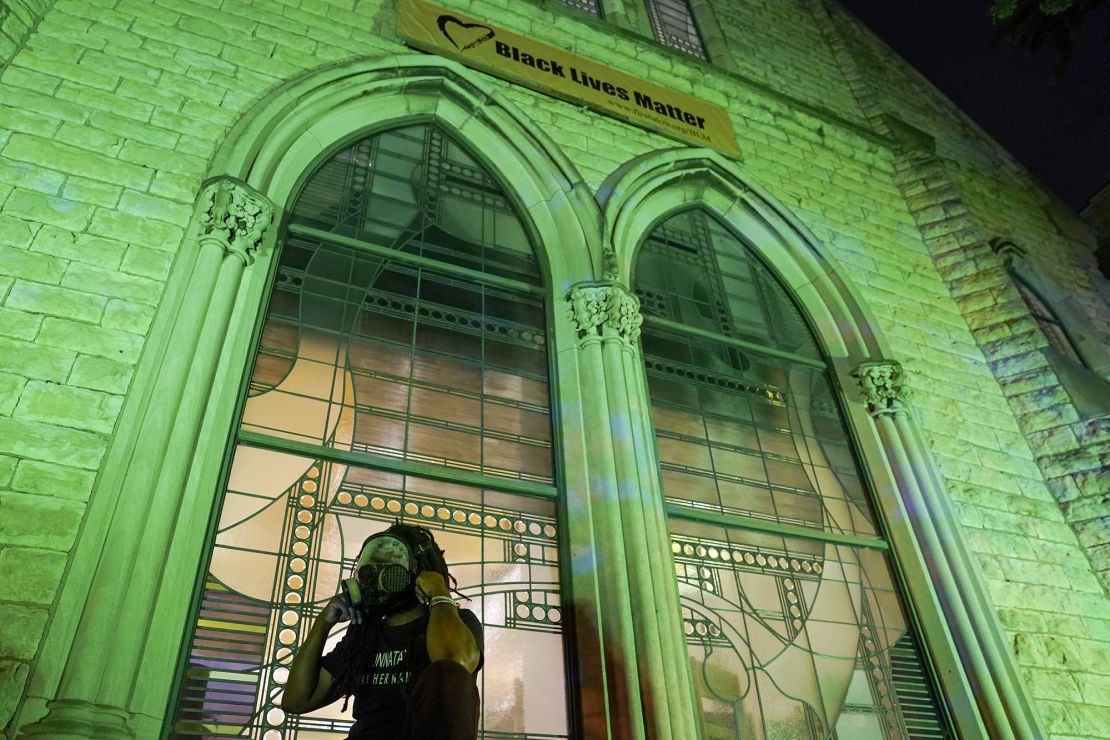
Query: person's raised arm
[[448, 637], [308, 685]]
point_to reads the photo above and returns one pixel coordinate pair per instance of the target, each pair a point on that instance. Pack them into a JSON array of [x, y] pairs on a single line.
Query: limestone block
[[128, 316], [1056, 685], [92, 192], [46, 442], [90, 340], [17, 119], [90, 139], [1093, 532], [100, 374], [79, 408], [35, 360], [7, 468], [150, 263], [20, 630], [125, 227], [13, 677], [21, 263], [175, 187], [15, 232], [113, 284], [10, 388], [1046, 651], [31, 177], [91, 250], [30, 576], [49, 300], [76, 161], [52, 479], [125, 127]]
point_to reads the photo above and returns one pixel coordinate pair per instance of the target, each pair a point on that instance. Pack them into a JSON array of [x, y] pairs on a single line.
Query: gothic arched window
[[794, 623], [1048, 322], [401, 372]]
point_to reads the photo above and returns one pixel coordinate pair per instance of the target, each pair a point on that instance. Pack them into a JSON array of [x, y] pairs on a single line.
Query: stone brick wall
[[779, 43], [963, 190], [17, 18], [111, 110]]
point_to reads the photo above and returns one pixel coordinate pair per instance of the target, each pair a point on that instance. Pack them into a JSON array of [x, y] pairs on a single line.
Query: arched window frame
[[849, 540], [1081, 360], [253, 177], [946, 598]]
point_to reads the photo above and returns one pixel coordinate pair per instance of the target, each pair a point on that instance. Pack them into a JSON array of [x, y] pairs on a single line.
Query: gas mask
[[383, 579]]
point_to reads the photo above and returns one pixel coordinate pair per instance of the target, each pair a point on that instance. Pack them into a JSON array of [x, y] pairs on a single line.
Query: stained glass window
[[674, 26], [593, 7], [1053, 330], [793, 621], [401, 373]]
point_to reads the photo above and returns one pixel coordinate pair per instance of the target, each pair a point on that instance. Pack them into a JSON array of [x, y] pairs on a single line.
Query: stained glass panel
[[673, 24], [757, 436], [797, 639], [369, 361], [789, 637], [291, 525]]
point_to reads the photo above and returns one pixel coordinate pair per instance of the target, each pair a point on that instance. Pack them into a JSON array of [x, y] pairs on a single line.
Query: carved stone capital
[[882, 386], [236, 215], [605, 312]]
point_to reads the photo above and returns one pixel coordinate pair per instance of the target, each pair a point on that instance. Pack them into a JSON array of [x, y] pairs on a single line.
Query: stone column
[[987, 663], [141, 499], [647, 667]]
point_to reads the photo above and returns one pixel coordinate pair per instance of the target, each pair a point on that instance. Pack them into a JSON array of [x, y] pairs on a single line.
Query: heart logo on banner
[[463, 35]]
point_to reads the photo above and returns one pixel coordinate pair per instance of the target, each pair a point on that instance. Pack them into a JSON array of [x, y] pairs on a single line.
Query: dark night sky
[[1059, 130]]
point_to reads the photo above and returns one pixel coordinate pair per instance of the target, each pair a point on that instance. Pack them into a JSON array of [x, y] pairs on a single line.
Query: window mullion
[[738, 521], [758, 349], [442, 473], [414, 259]]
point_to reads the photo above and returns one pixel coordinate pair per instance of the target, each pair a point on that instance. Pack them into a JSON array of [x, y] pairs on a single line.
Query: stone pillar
[[647, 669], [141, 500], [983, 652]]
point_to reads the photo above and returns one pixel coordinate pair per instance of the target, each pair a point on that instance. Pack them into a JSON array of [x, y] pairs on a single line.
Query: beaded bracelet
[[442, 600]]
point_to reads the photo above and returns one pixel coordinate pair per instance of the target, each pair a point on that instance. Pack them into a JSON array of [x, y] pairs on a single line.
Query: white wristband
[[442, 600]]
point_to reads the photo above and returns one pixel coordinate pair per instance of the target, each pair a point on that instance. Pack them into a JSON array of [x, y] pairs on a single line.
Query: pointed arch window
[[673, 23], [794, 622], [1047, 320], [401, 373]]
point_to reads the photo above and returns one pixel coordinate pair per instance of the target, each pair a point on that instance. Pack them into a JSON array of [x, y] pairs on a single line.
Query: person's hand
[[429, 585], [339, 610]]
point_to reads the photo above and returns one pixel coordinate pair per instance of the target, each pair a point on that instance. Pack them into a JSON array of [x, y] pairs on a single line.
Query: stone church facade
[[805, 441]]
